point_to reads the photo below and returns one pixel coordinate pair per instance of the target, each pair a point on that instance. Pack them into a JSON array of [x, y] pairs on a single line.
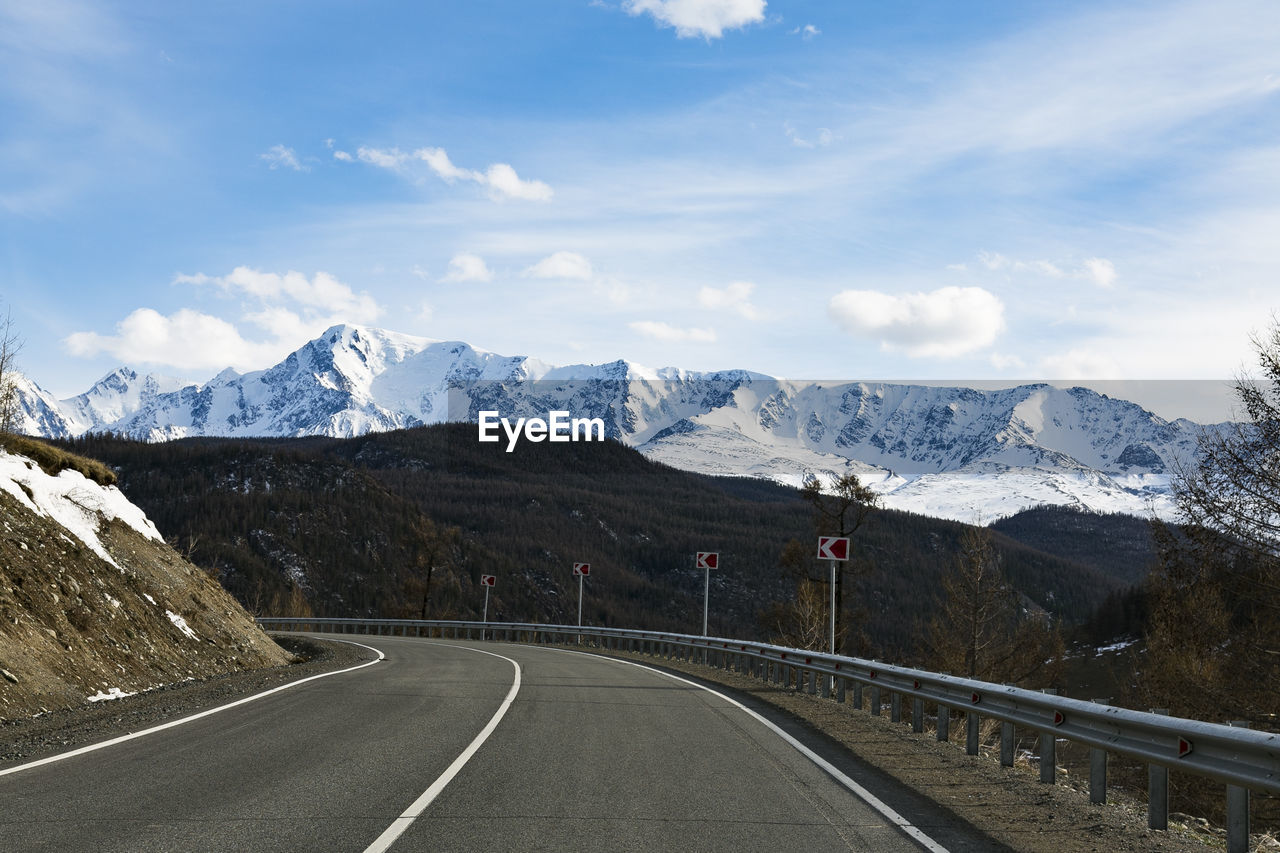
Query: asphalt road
[[590, 754]]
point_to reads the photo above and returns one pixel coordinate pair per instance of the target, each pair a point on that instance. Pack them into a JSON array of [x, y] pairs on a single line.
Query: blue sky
[[912, 190]]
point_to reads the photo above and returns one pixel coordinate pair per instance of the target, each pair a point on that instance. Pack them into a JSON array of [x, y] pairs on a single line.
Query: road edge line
[[398, 826], [908, 828], [193, 717]]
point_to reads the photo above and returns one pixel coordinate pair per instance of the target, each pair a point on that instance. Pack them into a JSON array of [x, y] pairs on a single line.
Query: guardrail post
[[826, 686], [841, 683], [971, 739], [944, 723], [917, 714], [813, 682], [895, 707], [1098, 769], [857, 695], [875, 700], [1006, 744], [1158, 791], [1049, 749], [1237, 810], [1097, 776], [1048, 758]]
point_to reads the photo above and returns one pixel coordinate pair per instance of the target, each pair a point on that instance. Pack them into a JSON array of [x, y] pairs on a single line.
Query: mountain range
[[952, 452]]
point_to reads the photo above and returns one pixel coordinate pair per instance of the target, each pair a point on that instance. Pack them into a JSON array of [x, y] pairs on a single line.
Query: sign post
[[487, 581], [706, 560], [834, 549], [581, 570]]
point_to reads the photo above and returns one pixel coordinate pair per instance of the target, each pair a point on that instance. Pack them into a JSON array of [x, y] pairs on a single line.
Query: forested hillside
[[1116, 544], [354, 528]]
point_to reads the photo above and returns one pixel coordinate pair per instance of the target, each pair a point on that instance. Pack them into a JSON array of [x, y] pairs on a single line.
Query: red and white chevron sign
[[488, 580], [583, 569], [833, 548], [708, 560]]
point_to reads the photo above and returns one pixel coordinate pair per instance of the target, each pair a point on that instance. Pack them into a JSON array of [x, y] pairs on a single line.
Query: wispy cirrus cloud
[[1100, 271], [668, 334], [280, 157]]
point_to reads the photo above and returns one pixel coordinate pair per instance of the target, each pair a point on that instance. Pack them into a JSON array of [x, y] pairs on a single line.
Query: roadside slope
[[94, 604]]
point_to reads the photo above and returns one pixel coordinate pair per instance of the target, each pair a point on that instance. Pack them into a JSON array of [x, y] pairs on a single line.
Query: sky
[[927, 191]]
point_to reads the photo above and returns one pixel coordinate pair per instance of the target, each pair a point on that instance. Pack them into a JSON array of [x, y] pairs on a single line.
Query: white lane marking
[[400, 824], [866, 796], [173, 723]]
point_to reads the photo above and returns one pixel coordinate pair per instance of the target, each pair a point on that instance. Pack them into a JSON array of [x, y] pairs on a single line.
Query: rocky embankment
[[93, 604]]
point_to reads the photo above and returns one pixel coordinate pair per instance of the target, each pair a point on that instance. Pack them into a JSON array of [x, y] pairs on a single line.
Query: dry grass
[[53, 460]]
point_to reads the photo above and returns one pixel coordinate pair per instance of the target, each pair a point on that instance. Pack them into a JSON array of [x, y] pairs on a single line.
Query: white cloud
[[440, 163], [500, 178], [288, 309], [943, 323], [669, 334], [1101, 271], [277, 156], [187, 340], [383, 159], [735, 297], [343, 156], [806, 32], [504, 182], [322, 293], [706, 18], [467, 267], [561, 265]]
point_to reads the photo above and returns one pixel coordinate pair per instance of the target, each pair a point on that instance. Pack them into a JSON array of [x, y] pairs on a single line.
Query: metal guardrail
[[1238, 757]]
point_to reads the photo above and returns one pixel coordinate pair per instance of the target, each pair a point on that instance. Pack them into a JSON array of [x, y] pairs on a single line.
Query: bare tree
[[1234, 488], [839, 511], [10, 345], [981, 630], [1214, 633]]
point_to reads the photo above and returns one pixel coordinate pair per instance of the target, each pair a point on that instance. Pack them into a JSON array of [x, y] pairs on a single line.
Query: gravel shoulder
[[1009, 804], [30, 738]]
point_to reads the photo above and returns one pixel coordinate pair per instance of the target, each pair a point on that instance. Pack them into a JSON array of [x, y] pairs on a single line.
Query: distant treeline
[[354, 527]]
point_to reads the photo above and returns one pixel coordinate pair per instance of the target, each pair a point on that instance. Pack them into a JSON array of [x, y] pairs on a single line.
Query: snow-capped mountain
[[946, 451]]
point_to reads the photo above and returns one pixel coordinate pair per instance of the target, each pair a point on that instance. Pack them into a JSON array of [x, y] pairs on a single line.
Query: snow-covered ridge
[[955, 452]]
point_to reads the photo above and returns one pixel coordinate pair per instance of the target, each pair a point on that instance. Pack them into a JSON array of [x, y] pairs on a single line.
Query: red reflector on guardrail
[[975, 698], [1058, 718], [1184, 747]]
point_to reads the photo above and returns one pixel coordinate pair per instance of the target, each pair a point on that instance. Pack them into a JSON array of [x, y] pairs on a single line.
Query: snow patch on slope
[[72, 500]]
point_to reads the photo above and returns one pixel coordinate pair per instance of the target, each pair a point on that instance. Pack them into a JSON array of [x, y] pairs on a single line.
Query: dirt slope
[[93, 603]]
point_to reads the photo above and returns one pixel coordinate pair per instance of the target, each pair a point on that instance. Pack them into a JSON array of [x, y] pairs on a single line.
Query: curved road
[[589, 754]]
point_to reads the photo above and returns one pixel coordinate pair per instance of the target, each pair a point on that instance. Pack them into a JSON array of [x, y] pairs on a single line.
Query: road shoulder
[[31, 738]]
